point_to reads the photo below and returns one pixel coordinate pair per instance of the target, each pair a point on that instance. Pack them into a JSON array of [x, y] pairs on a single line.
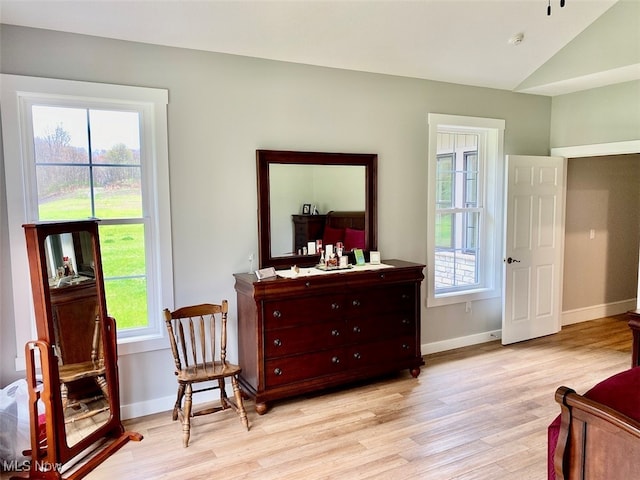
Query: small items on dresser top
[[295, 271]]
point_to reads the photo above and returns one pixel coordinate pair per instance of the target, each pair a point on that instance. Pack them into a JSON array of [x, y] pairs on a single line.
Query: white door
[[535, 196]]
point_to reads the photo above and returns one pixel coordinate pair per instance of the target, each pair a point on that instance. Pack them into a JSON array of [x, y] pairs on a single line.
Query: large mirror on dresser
[[302, 196], [72, 372]]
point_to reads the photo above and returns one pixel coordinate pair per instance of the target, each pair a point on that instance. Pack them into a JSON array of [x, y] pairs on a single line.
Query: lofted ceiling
[[458, 41]]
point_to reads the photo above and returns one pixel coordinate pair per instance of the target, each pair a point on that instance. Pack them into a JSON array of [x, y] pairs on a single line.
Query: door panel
[[535, 194]]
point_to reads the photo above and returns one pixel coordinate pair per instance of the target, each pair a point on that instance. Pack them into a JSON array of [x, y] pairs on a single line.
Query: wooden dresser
[[307, 333]]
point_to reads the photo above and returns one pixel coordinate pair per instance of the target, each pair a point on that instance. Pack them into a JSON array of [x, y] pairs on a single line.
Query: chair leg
[[238, 396], [102, 383], [186, 417], [178, 405], [223, 394], [64, 393]]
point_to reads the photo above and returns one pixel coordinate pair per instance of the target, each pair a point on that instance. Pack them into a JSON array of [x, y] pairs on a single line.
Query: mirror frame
[[265, 158], [58, 450]]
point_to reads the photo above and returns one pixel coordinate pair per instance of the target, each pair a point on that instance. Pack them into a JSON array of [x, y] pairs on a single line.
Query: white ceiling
[[458, 41]]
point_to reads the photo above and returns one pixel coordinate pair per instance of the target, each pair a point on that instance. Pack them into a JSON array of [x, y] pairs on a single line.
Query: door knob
[[512, 260]]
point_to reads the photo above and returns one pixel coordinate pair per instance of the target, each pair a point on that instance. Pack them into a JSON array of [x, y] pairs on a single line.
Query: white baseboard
[[567, 318], [162, 404], [140, 409], [451, 343], [597, 311]]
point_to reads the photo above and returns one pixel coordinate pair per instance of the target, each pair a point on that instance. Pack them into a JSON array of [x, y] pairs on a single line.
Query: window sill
[[127, 346], [462, 297], [141, 344]]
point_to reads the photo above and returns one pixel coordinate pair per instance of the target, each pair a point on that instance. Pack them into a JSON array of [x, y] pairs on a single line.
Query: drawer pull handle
[[405, 296], [277, 371], [356, 329], [405, 346], [335, 360], [406, 321], [335, 333], [277, 342], [356, 303], [335, 306], [357, 355], [307, 284], [277, 314], [382, 275]]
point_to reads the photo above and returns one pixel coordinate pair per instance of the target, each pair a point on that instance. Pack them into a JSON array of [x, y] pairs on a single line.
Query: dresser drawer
[[383, 353], [380, 327], [392, 298], [307, 338], [281, 371], [288, 313]]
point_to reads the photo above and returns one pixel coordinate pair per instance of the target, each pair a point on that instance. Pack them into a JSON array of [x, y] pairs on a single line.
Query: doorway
[[602, 246]]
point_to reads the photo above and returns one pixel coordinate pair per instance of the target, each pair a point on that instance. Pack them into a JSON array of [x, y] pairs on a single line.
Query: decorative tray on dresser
[[322, 329]]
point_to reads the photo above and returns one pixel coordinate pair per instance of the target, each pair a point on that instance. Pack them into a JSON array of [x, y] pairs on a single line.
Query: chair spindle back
[[198, 335]]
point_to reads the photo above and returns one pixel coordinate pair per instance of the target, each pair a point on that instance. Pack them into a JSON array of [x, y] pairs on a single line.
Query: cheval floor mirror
[[75, 408]]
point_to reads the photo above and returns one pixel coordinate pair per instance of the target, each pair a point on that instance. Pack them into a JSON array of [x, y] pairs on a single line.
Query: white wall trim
[[602, 149], [597, 311], [147, 407], [598, 149], [466, 341]]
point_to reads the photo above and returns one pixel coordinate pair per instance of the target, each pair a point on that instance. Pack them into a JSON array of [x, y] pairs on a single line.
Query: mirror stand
[[74, 404]]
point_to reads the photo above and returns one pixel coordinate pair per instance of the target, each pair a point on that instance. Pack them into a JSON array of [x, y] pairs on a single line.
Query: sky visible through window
[[108, 127]]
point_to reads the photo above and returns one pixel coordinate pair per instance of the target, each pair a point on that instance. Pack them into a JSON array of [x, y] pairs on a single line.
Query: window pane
[[471, 179], [127, 302], [122, 248], [63, 192], [444, 181], [456, 263], [115, 137], [118, 192], [123, 263], [444, 230], [60, 134]]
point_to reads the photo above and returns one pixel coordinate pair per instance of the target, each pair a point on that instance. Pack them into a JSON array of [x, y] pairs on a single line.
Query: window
[[77, 150], [465, 208], [87, 164]]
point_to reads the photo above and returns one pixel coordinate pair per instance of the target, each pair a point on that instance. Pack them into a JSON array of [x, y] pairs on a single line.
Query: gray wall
[[221, 109], [600, 115]]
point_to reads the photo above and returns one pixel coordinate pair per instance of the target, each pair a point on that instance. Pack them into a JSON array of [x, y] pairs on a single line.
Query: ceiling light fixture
[[549, 6]]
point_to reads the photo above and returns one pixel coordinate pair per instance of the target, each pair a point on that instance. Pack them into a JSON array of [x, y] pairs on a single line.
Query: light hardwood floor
[[478, 412]]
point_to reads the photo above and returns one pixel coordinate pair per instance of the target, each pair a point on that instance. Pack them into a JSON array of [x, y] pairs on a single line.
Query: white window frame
[[17, 94], [492, 144]]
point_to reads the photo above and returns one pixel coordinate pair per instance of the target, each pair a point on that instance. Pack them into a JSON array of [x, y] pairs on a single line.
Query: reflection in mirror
[[287, 180], [79, 342], [326, 187]]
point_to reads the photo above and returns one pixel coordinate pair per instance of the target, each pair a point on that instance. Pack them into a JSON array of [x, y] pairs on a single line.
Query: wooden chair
[[91, 368], [198, 336]]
